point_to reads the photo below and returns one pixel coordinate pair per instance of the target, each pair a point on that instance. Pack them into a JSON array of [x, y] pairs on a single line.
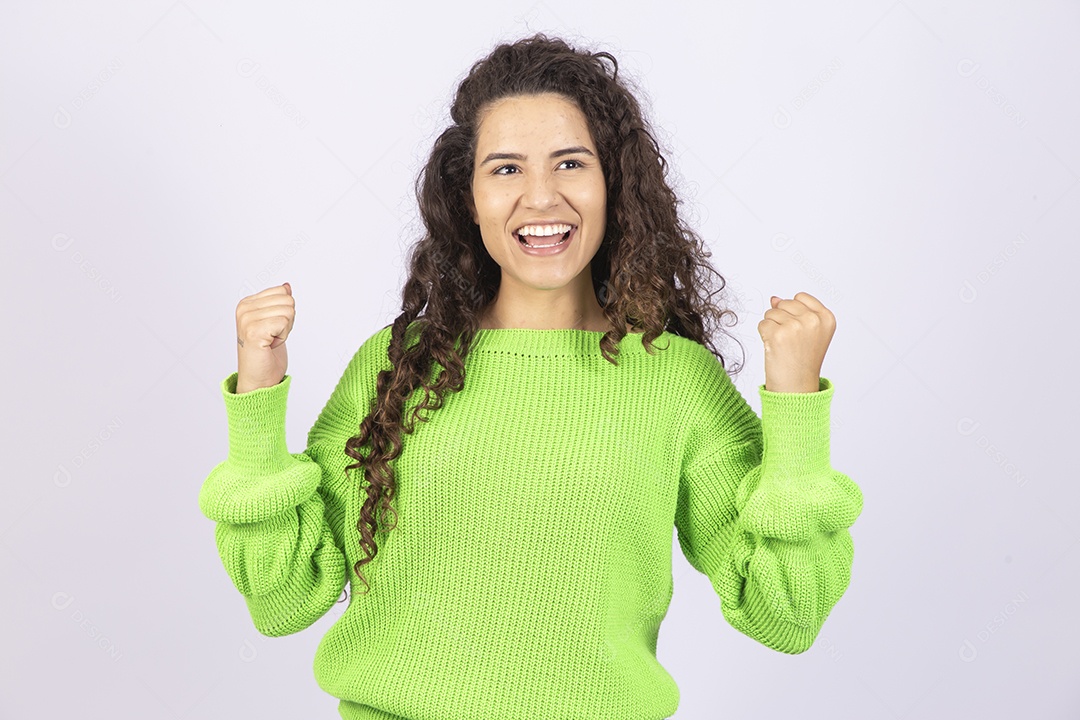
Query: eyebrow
[[557, 153]]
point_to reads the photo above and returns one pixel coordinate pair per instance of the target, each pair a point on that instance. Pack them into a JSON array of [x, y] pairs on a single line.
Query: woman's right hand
[[263, 323]]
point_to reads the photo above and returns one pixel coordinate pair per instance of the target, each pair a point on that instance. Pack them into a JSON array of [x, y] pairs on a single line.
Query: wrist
[[788, 385]]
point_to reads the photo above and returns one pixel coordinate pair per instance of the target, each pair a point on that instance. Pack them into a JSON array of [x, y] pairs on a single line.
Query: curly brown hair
[[650, 271]]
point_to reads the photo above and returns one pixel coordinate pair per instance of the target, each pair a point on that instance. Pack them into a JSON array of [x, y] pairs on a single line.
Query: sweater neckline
[[554, 341]]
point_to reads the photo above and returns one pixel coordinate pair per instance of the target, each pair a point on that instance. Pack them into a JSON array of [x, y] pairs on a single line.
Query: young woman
[[514, 545]]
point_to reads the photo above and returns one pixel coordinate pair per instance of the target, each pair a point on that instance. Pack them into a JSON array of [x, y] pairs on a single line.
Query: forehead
[[532, 119]]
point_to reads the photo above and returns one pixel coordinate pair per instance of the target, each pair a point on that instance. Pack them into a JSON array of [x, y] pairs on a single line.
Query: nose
[[540, 191]]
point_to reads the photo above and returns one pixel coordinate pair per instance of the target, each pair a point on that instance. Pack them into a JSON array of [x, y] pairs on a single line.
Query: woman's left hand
[[796, 334]]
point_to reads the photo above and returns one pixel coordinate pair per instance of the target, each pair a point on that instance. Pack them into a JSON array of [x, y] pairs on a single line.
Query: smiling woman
[[554, 187], [532, 566]]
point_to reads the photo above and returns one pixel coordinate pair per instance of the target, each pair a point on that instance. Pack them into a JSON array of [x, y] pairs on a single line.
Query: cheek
[[599, 200], [597, 191], [491, 225], [488, 207]]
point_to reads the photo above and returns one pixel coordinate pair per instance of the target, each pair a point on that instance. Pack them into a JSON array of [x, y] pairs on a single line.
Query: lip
[[548, 250]]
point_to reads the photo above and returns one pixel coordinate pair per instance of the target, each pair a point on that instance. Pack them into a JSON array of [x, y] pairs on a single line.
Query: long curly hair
[[650, 272]]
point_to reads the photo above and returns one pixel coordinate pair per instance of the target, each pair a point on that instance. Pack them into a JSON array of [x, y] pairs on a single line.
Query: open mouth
[[550, 239]]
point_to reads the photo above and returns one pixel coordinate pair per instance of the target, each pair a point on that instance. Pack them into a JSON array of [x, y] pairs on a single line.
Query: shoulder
[[375, 346], [368, 361], [698, 378], [373, 354], [690, 358], [714, 413]]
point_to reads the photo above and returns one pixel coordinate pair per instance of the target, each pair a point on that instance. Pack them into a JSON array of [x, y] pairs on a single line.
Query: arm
[[279, 515], [763, 514]]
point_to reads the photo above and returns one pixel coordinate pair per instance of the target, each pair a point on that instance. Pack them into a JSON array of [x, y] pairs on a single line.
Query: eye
[[575, 162], [499, 170]]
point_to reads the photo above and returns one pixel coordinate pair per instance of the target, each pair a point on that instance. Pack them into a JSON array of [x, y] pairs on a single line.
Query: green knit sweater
[[530, 568]]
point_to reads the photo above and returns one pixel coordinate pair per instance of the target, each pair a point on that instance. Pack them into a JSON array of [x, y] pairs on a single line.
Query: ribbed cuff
[[795, 431], [257, 426]]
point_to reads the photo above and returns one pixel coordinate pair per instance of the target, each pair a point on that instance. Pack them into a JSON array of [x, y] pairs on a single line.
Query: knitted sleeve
[[280, 515], [762, 512]]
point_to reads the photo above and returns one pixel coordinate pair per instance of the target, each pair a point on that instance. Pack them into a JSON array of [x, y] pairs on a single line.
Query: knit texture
[[531, 565]]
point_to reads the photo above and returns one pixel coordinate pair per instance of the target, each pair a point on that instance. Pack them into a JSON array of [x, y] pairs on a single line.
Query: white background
[[913, 165]]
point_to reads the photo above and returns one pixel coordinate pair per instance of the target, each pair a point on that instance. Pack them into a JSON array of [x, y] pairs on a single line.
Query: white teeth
[[560, 241], [544, 230]]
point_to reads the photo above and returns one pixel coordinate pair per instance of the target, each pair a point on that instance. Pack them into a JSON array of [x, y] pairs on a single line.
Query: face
[[536, 168]]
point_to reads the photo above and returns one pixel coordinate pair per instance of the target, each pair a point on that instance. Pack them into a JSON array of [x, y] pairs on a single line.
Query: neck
[[492, 320], [545, 309]]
